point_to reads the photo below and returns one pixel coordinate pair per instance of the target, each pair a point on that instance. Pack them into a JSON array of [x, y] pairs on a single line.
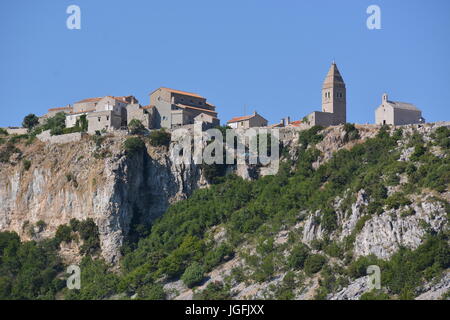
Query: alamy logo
[[251, 146], [374, 281], [374, 20], [74, 280], [73, 22]]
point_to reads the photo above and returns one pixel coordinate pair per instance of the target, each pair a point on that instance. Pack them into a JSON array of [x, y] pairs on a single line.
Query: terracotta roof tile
[[196, 108], [237, 119], [295, 123], [89, 100], [181, 92], [60, 108]]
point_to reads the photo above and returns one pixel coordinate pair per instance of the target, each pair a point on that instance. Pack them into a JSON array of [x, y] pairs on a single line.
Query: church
[[334, 101]]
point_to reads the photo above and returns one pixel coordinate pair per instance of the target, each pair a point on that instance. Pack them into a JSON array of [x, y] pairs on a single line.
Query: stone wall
[[61, 139], [18, 131]]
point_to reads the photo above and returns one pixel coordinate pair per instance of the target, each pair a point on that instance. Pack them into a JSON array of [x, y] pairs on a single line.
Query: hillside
[[142, 227]]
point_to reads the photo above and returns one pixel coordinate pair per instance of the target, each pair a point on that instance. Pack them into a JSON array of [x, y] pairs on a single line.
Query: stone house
[[334, 101], [142, 113], [207, 121], [175, 108], [111, 108], [245, 122], [397, 113], [103, 121]]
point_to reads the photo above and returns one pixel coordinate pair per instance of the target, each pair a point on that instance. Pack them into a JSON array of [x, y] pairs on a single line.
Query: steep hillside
[[345, 198], [96, 178]]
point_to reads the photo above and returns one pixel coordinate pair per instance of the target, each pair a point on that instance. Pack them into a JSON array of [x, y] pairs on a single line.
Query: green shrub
[[8, 151], [310, 137], [298, 256], [358, 268], [159, 138], [374, 295], [41, 225], [152, 292], [419, 151], [136, 127], [442, 137], [329, 220], [214, 291], [3, 132], [361, 223], [26, 164], [89, 233], [30, 121], [314, 263], [351, 133], [193, 275], [397, 200], [334, 250], [134, 145], [63, 234]]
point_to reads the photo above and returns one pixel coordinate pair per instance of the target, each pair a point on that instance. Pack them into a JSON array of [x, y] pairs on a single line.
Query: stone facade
[[112, 112], [143, 114], [175, 108], [207, 121], [245, 122], [103, 121], [334, 101], [397, 113], [15, 130], [61, 139]]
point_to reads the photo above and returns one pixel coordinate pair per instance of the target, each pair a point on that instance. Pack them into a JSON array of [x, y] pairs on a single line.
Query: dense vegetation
[[180, 244]]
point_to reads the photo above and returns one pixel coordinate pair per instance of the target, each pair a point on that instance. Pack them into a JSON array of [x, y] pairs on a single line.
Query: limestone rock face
[[67, 181], [435, 290], [353, 291], [383, 235]]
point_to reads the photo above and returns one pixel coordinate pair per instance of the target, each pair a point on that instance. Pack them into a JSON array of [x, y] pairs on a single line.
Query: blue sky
[[243, 55]]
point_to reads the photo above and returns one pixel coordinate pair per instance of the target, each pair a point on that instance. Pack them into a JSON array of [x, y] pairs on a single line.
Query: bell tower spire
[[334, 95]]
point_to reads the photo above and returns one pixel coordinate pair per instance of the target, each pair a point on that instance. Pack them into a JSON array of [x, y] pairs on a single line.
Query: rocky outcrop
[[383, 235], [436, 289], [82, 180], [353, 291]]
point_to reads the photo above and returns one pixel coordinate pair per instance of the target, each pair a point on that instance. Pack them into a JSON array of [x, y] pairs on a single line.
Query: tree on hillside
[[136, 127], [30, 121]]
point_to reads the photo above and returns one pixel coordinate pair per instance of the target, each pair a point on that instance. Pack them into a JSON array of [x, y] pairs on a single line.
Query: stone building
[[245, 122], [142, 113], [111, 110], [54, 111], [207, 121], [175, 108], [334, 101], [397, 113], [103, 121]]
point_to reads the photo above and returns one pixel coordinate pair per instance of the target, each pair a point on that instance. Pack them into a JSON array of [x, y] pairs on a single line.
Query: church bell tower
[[334, 95]]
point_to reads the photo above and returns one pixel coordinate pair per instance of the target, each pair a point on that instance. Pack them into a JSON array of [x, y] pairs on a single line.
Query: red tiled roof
[[85, 111], [120, 99], [196, 108], [147, 107], [181, 92], [89, 100], [296, 123], [60, 108], [237, 119]]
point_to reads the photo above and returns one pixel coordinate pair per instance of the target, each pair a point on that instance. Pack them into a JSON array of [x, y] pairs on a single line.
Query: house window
[[99, 119]]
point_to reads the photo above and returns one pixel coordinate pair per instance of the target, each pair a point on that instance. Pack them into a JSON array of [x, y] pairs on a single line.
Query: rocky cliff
[[44, 186], [90, 179]]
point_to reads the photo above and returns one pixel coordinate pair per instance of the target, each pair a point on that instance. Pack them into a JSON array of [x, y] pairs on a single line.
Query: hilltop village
[[171, 109]]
